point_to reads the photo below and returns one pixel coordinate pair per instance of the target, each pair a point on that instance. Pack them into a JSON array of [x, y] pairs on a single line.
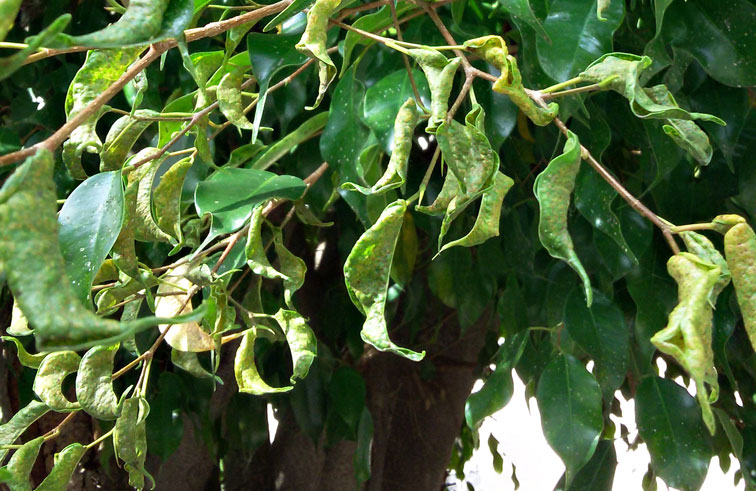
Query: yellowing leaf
[[187, 336], [313, 43]]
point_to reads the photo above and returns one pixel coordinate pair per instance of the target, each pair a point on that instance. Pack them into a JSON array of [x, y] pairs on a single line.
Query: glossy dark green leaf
[[20, 421], [290, 11], [522, 10], [347, 391], [269, 54], [90, 222], [669, 421], [290, 142], [601, 331], [230, 195], [362, 455], [367, 271], [94, 383], [577, 36], [165, 426], [598, 473], [65, 464], [569, 399], [498, 387], [48, 383]]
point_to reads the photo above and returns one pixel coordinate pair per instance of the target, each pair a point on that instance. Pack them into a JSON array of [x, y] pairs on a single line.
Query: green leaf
[[577, 36], [255, 250], [66, 462], [25, 358], [100, 70], [347, 391], [10, 64], [121, 138], [292, 267], [601, 331], [439, 71], [268, 55], [230, 100], [289, 143], [498, 387], [290, 11], [313, 43], [522, 10], [366, 273], [130, 439], [21, 463], [165, 425], [301, 340], [247, 376], [94, 383], [598, 473], [189, 361], [670, 424], [230, 195], [362, 454], [90, 222], [553, 187], [569, 399], [166, 198], [48, 383], [25, 417], [8, 12], [719, 36]]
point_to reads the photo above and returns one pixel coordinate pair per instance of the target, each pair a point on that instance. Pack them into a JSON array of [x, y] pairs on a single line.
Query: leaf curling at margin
[[166, 199], [621, 73], [510, 83], [48, 382], [122, 136], [698, 245], [94, 383], [100, 70], [740, 251], [487, 222], [65, 464], [552, 188], [366, 273], [24, 357], [130, 440], [139, 195], [19, 325], [396, 170], [687, 336], [245, 370], [10, 64], [35, 269], [25, 417], [293, 267], [302, 342], [439, 71], [21, 463], [313, 44], [230, 100], [255, 251]]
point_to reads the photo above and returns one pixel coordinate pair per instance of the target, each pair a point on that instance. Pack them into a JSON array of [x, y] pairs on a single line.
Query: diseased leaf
[[189, 361], [439, 71], [700, 246], [48, 383], [247, 377], [94, 383], [130, 440], [522, 10], [255, 250], [24, 357], [553, 187], [601, 7], [740, 250], [21, 463], [313, 43], [121, 138], [188, 336], [366, 272], [90, 222], [293, 268], [166, 199], [100, 70], [301, 340], [25, 417], [19, 326], [569, 399], [290, 11], [65, 465], [230, 100], [8, 12]]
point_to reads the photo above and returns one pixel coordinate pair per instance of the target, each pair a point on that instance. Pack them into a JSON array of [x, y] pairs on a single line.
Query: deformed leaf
[[187, 336], [26, 358], [698, 245], [166, 198], [48, 383], [65, 465], [510, 83], [100, 70], [25, 417], [553, 187], [740, 251], [130, 439], [439, 71], [255, 251], [21, 463], [139, 196], [230, 100], [601, 8], [487, 222], [313, 43], [19, 326], [292, 267], [247, 377], [94, 383], [366, 273], [122, 136], [187, 360], [301, 340]]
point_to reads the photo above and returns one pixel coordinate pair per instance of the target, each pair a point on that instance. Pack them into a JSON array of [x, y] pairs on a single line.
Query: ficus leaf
[[601, 7], [19, 325], [255, 250], [21, 463], [247, 377], [313, 43], [94, 383], [366, 272], [510, 83], [230, 100], [8, 12], [289, 143], [138, 197], [187, 336], [166, 198], [65, 465], [122, 136], [48, 383], [189, 361], [292, 267], [740, 251], [25, 417], [15, 61], [553, 187], [130, 439], [301, 340], [439, 71], [698, 245], [24, 357]]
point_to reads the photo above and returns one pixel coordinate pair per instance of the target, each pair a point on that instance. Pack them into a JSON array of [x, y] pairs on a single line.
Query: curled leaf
[[187, 336], [510, 83], [26, 358], [138, 194], [189, 361], [122, 136], [601, 7], [740, 251], [292, 267], [166, 198], [94, 383], [130, 439], [48, 383], [396, 171], [723, 223], [21, 463], [687, 337], [25, 417], [230, 100], [700, 246], [366, 273], [100, 70], [255, 251], [301, 340], [65, 465], [491, 48], [553, 187], [439, 71], [313, 43], [247, 377]]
